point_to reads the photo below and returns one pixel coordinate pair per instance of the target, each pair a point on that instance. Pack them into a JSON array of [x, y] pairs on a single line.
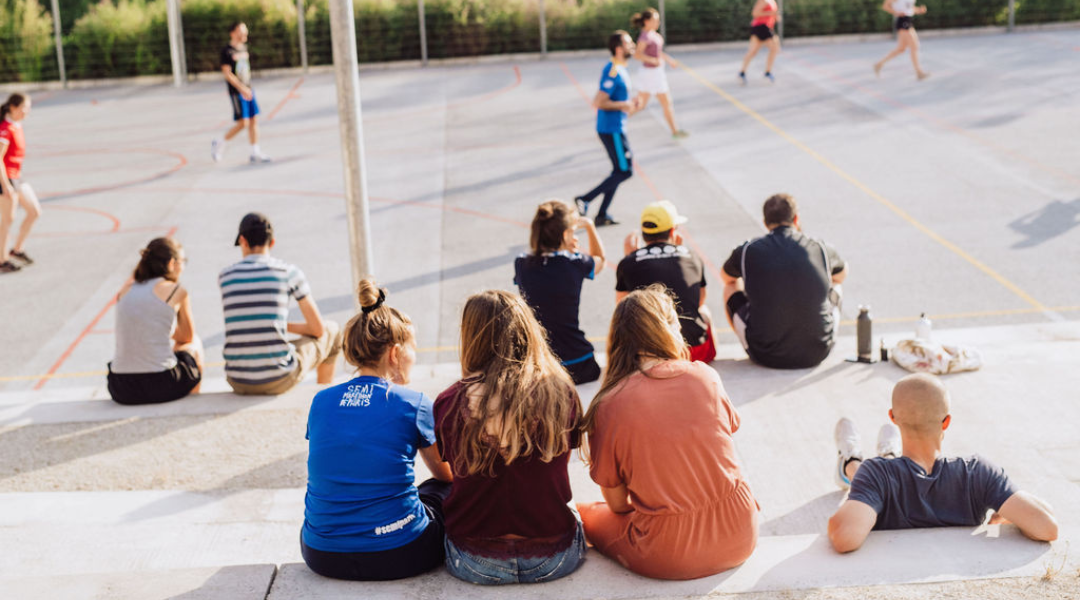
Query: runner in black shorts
[[904, 11], [236, 66], [766, 13]]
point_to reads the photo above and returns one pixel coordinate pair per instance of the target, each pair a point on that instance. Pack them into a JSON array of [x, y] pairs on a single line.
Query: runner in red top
[[12, 189], [765, 14]]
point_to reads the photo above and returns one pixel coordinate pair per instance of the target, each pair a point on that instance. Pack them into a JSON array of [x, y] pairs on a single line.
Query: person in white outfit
[[904, 11], [651, 78]]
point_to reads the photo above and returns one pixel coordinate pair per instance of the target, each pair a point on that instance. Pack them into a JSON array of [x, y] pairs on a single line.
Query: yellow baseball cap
[[660, 216]]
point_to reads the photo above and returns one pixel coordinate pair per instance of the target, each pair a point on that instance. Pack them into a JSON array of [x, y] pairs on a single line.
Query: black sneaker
[[603, 220], [9, 267], [22, 256], [582, 205]]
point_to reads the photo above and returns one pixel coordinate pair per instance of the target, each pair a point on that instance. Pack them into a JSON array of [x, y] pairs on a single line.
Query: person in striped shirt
[[255, 292]]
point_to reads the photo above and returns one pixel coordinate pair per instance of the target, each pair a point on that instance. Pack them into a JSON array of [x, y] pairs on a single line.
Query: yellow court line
[[941, 317], [1038, 306]]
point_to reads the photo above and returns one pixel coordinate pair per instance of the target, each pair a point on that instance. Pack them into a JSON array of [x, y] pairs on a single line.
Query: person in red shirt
[[507, 429], [765, 15], [12, 190]]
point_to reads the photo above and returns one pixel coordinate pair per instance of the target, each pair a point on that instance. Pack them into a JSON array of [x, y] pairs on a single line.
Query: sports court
[[958, 197]]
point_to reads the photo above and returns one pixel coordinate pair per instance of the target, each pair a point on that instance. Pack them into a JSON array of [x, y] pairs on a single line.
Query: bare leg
[[914, 45], [7, 218], [253, 130], [325, 372], [901, 45], [236, 128], [774, 49], [643, 98], [755, 45], [669, 111], [195, 349], [29, 202]]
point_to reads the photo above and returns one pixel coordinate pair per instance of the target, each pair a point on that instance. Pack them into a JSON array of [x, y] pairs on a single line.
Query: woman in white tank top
[[904, 12], [158, 356]]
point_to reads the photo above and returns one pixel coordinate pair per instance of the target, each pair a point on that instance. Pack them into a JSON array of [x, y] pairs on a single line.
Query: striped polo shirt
[[255, 294]]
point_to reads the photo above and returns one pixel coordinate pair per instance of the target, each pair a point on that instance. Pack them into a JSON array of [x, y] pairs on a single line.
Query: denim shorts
[[498, 571]]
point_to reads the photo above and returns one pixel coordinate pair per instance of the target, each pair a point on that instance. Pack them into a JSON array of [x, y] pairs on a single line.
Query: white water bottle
[[922, 328]]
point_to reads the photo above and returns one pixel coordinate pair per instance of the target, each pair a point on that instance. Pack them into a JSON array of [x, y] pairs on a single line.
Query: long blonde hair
[[528, 403], [644, 325]]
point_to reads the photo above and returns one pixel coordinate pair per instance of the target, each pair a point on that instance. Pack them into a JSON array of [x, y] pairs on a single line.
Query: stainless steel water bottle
[[863, 335]]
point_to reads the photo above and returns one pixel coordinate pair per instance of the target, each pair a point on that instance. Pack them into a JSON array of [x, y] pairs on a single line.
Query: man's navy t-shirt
[[958, 492], [551, 285], [364, 435], [677, 268]]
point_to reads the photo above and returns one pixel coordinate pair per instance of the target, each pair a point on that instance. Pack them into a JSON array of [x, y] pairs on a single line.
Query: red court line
[[288, 96], [85, 332], [181, 163], [928, 117]]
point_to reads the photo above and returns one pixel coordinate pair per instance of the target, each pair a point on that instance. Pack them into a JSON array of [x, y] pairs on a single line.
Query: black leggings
[[418, 556], [622, 167]]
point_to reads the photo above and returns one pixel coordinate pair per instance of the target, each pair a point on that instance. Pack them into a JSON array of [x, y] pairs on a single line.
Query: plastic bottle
[[864, 326], [922, 328]]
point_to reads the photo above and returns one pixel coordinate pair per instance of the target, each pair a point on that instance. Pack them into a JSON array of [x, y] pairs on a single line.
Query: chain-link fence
[[124, 38]]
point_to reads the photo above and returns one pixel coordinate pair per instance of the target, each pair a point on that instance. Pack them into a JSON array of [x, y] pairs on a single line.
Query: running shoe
[[217, 149], [847, 449], [22, 256], [770, 77], [889, 442], [582, 205], [9, 267], [259, 158], [680, 134], [742, 78], [604, 220]]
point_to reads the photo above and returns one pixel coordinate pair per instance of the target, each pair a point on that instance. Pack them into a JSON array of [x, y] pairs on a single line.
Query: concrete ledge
[[242, 582]]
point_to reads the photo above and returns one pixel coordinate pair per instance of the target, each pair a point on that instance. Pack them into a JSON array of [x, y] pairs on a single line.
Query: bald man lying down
[[910, 484]]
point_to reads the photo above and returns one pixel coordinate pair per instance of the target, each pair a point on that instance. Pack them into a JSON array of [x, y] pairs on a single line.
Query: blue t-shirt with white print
[[615, 82], [363, 436]]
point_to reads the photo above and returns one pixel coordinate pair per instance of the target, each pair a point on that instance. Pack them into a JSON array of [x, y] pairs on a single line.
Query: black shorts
[[905, 23], [156, 388], [584, 371], [761, 32]]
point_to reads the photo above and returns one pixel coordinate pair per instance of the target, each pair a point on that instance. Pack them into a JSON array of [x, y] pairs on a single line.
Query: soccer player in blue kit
[[613, 106]]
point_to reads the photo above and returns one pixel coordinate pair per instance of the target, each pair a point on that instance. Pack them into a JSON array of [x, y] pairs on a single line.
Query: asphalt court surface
[[958, 196]]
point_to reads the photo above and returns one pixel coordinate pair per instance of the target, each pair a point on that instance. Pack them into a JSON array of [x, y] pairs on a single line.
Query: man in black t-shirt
[[911, 484], [665, 260], [236, 66], [782, 292]]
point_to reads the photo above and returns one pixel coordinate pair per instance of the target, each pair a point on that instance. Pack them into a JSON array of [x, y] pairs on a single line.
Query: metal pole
[[663, 21], [1012, 15], [346, 74], [543, 28], [423, 31], [302, 31], [176, 42], [59, 43], [780, 20]]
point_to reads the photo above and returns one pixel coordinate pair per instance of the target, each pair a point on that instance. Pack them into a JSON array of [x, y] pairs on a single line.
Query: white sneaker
[[847, 448], [217, 149], [889, 442], [259, 158]]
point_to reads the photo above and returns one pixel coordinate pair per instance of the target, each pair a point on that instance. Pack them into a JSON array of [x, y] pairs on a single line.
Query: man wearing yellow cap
[[665, 260]]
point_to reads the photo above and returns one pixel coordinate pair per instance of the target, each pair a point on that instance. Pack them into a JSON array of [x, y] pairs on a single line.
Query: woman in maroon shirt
[[507, 429]]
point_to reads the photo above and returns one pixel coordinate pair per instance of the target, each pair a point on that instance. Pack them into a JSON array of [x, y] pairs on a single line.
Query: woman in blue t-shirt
[[364, 519], [550, 279]]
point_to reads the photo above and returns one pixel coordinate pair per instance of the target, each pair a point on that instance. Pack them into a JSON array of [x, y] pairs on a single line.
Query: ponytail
[[13, 101], [639, 19]]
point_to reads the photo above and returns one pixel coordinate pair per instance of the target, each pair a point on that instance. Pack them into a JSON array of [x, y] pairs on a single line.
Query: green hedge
[[129, 37]]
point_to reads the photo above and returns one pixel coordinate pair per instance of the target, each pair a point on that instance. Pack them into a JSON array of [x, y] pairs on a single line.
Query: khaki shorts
[[309, 352]]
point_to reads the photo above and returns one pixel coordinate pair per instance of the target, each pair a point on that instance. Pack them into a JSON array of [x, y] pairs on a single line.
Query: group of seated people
[[657, 437]]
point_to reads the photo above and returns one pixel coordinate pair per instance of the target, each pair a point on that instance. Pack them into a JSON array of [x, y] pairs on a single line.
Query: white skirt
[[651, 81]]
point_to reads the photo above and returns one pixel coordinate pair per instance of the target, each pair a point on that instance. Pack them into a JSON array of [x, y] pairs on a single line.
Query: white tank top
[[904, 7], [144, 329]]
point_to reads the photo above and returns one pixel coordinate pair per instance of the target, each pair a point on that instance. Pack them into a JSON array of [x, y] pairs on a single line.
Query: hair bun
[[369, 295]]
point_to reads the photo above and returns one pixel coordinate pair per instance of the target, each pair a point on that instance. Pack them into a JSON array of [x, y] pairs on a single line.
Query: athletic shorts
[[738, 308], [15, 183], [905, 23], [156, 388], [243, 109], [651, 80], [761, 32]]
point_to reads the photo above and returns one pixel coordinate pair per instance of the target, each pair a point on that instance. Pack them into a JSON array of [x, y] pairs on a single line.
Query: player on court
[[613, 106], [904, 11], [236, 66], [651, 78], [14, 192], [765, 15]]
